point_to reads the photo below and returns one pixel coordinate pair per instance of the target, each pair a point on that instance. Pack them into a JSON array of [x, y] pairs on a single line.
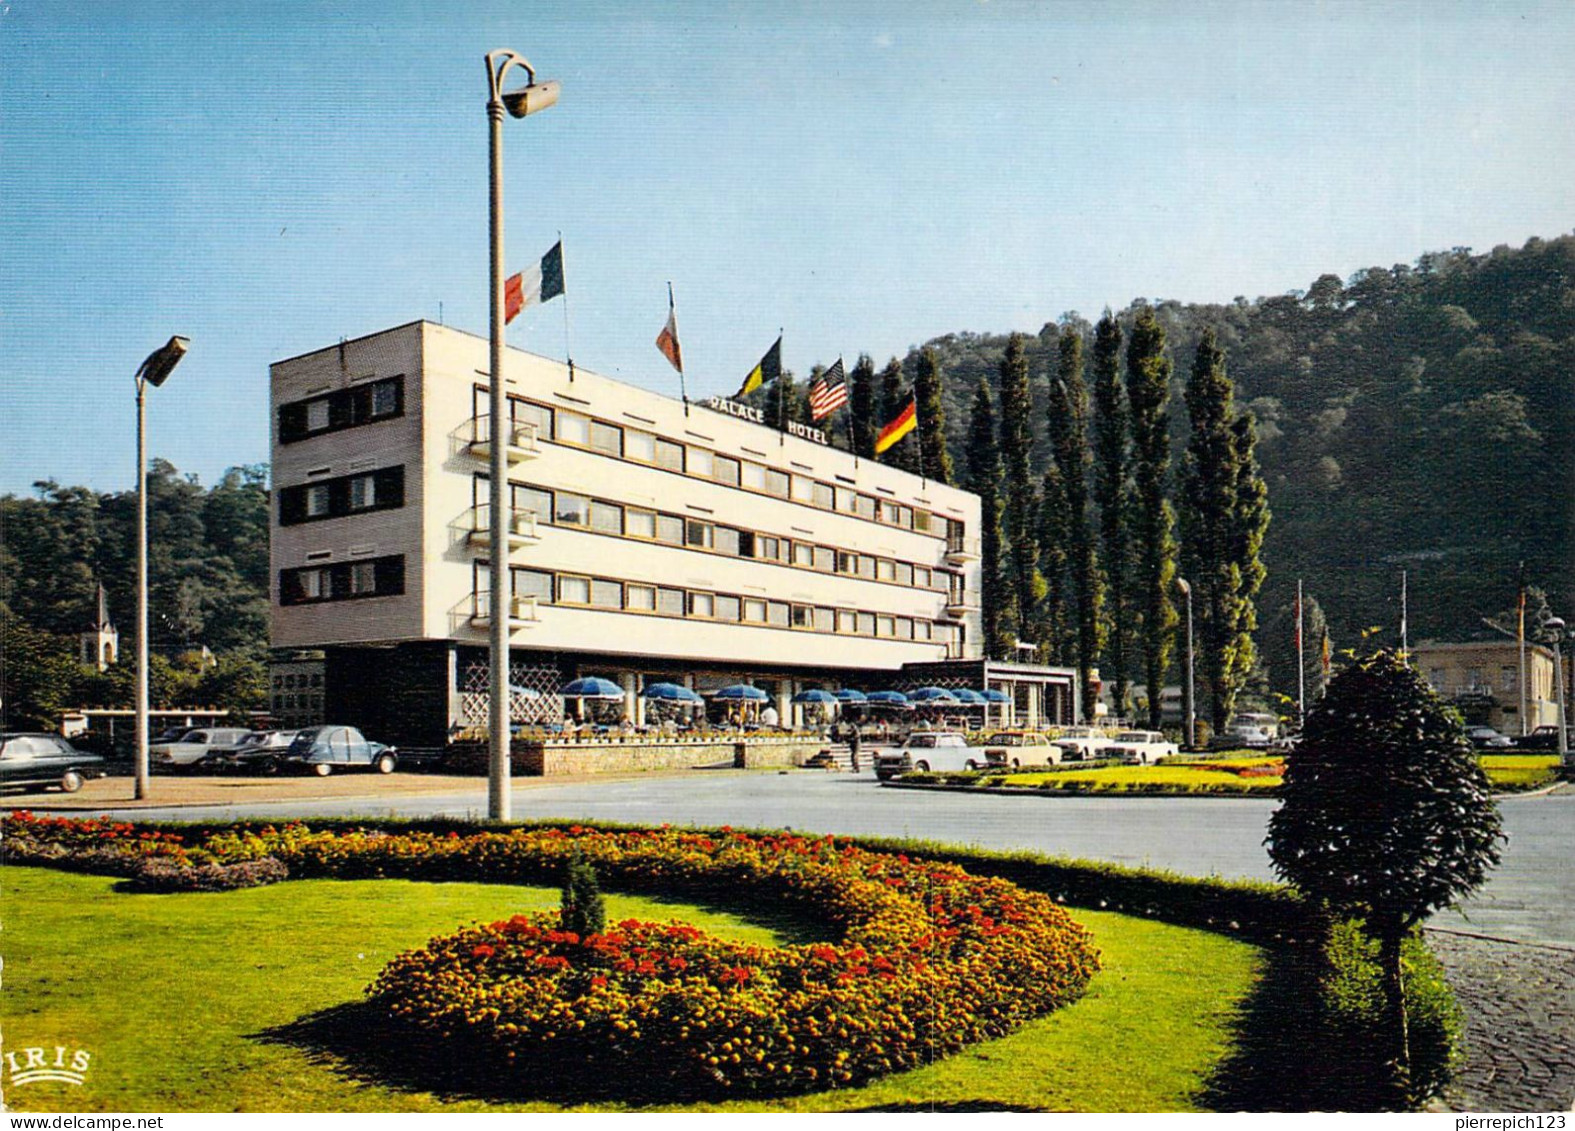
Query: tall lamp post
[[533, 96], [1553, 630], [1188, 706], [154, 371]]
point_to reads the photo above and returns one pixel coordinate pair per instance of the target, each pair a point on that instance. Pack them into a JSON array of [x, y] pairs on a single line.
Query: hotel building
[[648, 540]]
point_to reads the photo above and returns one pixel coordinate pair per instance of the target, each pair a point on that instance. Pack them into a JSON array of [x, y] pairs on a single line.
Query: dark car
[[328, 748], [1486, 738], [256, 753], [36, 761], [1545, 737]]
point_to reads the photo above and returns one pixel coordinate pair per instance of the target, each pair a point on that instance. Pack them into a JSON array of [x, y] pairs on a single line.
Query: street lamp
[[528, 99], [153, 371], [1553, 630], [1188, 705]]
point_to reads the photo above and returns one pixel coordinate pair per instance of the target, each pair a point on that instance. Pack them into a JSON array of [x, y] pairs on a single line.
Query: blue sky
[[268, 178]]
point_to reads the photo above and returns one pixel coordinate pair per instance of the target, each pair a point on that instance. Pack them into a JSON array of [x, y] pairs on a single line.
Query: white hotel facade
[[646, 543]]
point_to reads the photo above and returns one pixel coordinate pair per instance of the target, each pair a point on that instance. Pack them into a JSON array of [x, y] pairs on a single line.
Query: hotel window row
[[620, 441], [343, 581], [562, 508], [383, 489], [366, 403], [547, 588]]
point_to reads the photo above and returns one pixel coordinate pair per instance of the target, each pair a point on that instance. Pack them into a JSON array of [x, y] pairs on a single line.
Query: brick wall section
[[536, 759]]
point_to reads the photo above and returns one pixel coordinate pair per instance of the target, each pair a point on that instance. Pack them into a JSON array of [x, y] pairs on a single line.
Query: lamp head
[[1182, 584], [1554, 626], [156, 369], [531, 98]]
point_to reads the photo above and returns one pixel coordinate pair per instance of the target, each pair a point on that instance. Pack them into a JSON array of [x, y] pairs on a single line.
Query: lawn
[[195, 1002], [1222, 775]]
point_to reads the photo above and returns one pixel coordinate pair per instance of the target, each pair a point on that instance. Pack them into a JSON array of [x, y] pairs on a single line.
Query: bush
[[163, 875], [583, 911]]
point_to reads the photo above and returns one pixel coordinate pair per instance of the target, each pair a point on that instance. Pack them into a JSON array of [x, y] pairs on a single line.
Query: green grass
[[181, 1000]]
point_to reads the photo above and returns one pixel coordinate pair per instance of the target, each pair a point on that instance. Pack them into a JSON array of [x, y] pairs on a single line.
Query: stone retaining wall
[[547, 759]]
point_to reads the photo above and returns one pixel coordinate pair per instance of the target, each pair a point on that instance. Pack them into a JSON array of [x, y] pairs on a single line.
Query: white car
[[1013, 749], [1138, 747], [939, 750], [1079, 744], [193, 746]]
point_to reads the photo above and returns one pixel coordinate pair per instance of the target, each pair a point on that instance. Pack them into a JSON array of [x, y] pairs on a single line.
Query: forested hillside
[[1415, 417]]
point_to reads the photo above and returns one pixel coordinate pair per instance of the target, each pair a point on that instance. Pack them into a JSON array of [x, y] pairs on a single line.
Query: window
[[540, 415], [921, 577], [726, 540], [727, 608], [769, 549], [698, 534], [885, 569], [533, 500], [803, 554], [574, 590], [1474, 677], [532, 583], [606, 518], [670, 601], [921, 629], [641, 598], [702, 605], [572, 428], [639, 524], [777, 613], [825, 559], [607, 439], [754, 610], [1508, 678], [904, 628], [904, 573], [571, 510], [821, 495], [885, 626], [847, 621], [363, 492], [607, 594], [385, 399], [864, 506], [846, 562], [639, 446], [803, 489], [700, 463], [921, 521], [866, 624], [669, 455], [846, 499], [670, 529], [824, 620], [746, 543], [776, 483], [802, 617], [753, 476], [363, 578], [317, 500], [1435, 677], [317, 416], [315, 584], [725, 470], [866, 566], [888, 513]]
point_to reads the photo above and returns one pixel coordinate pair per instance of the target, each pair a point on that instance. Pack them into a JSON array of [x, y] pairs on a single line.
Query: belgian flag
[[768, 370]]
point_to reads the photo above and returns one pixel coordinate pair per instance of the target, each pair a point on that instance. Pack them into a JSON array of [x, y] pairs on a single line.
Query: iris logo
[[37, 1064]]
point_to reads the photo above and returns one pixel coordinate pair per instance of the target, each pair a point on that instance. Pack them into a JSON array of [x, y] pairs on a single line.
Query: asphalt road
[[1531, 897]]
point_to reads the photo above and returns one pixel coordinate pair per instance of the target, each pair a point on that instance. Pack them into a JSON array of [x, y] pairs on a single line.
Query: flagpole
[[568, 353], [781, 395], [683, 387], [1520, 633], [1301, 660], [918, 438], [1405, 650]]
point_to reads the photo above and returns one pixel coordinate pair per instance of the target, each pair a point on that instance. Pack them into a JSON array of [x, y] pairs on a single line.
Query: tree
[[934, 460], [861, 407], [1113, 494], [582, 909], [1249, 528], [893, 398], [1148, 394], [1068, 415], [1021, 506], [1385, 815], [984, 480]]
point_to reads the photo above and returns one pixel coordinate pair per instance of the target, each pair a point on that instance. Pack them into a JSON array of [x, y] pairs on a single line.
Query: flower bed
[[924, 959]]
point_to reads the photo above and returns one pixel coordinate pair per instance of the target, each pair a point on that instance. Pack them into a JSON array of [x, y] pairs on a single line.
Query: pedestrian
[[853, 746]]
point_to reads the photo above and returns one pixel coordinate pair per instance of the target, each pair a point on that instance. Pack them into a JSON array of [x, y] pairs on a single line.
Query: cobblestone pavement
[[1520, 1023]]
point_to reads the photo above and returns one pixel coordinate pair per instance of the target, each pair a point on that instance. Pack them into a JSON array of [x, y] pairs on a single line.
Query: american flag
[[824, 397]]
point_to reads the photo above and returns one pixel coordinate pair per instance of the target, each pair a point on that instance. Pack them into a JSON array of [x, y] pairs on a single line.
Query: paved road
[[1531, 897]]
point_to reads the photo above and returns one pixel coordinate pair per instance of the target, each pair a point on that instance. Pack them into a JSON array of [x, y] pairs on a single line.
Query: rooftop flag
[[667, 340], [829, 393], [767, 370], [535, 286], [901, 424]]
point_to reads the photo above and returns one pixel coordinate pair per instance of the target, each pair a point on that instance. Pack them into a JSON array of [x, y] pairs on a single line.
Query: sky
[[266, 179]]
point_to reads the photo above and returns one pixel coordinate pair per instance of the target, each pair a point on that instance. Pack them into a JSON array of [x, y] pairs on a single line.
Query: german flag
[[901, 424], [767, 370]]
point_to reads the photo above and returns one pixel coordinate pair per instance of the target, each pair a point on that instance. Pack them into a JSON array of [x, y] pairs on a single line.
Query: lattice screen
[[475, 696]]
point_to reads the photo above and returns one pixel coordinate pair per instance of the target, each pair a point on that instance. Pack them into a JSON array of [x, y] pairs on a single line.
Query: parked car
[[36, 761], [1544, 737], [1255, 732], [1138, 747], [192, 747], [1486, 738], [941, 750], [258, 752], [322, 750], [1078, 744], [1011, 749]]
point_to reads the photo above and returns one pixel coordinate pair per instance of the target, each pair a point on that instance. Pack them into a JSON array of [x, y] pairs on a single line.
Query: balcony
[[520, 443], [522, 611], [961, 551], [959, 605], [521, 527]]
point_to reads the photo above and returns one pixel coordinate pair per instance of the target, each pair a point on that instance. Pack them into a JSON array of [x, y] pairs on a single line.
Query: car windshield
[[1014, 739], [922, 741], [1132, 736]]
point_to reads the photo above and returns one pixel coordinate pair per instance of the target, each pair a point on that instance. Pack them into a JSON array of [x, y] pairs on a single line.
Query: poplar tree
[[1250, 527], [1148, 395], [1113, 494], [936, 461], [984, 480], [861, 407], [1021, 505], [893, 397], [1069, 449], [1054, 627]]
